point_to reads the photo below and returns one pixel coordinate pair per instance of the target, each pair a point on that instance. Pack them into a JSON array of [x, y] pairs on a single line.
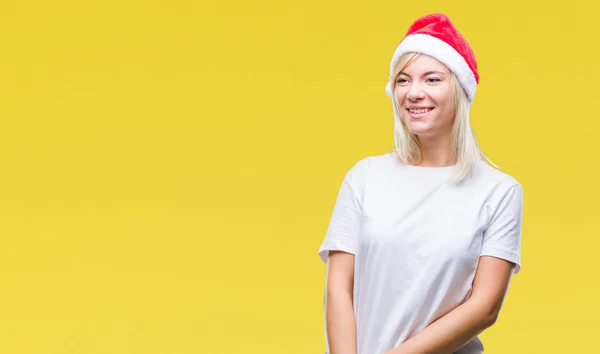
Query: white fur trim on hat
[[440, 50]]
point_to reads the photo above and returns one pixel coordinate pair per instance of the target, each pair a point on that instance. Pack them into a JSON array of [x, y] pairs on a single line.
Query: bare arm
[[459, 326], [340, 321]]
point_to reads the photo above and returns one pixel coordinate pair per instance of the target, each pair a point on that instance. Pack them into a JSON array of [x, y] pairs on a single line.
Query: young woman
[[423, 241]]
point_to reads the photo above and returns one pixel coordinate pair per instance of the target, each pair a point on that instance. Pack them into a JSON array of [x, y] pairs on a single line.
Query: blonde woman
[[423, 241]]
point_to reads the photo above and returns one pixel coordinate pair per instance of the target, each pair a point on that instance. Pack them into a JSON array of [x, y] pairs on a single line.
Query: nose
[[415, 92]]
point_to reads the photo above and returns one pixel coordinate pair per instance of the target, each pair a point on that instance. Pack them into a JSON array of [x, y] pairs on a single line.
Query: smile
[[419, 110]]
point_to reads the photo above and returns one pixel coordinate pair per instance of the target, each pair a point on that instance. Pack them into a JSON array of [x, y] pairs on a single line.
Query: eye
[[401, 80], [433, 79]]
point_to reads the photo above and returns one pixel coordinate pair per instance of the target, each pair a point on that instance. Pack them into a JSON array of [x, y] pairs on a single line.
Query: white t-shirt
[[417, 239]]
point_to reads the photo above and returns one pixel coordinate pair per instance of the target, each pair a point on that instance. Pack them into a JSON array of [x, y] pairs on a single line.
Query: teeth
[[418, 111]]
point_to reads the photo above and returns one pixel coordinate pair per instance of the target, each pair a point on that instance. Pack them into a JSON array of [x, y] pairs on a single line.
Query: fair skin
[[423, 85], [424, 94], [341, 325], [459, 326]]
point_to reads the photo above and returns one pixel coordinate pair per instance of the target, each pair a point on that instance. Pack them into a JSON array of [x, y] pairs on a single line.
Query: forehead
[[424, 63]]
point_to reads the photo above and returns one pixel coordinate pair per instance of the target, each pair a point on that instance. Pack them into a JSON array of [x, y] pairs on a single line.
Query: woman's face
[[424, 95]]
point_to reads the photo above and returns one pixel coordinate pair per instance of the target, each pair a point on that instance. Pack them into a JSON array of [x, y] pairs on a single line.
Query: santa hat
[[435, 36]]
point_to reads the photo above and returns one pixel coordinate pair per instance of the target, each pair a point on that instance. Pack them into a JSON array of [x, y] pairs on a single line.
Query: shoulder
[[364, 170], [370, 164], [497, 181], [501, 191]]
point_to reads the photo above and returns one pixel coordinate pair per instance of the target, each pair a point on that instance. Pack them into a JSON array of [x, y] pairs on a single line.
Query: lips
[[419, 113], [419, 110]]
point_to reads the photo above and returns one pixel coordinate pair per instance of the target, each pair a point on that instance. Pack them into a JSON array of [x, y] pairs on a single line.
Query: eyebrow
[[425, 74]]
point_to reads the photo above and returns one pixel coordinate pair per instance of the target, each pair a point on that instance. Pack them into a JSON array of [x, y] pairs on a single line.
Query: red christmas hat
[[435, 36]]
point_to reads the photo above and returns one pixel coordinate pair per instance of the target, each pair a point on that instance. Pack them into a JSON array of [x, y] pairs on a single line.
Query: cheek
[[446, 108], [444, 102], [399, 95]]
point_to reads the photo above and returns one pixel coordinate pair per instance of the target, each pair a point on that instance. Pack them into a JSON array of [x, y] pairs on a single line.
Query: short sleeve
[[502, 237], [344, 225]]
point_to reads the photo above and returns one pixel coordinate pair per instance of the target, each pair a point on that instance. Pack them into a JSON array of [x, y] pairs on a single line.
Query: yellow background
[[169, 168]]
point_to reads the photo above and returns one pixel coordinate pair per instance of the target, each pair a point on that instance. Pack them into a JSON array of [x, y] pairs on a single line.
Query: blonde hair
[[465, 150]]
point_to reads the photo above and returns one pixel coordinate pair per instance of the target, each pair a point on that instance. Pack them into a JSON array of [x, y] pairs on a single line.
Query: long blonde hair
[[465, 150]]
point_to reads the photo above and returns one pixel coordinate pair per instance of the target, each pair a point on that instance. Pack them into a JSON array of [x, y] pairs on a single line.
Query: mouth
[[418, 112]]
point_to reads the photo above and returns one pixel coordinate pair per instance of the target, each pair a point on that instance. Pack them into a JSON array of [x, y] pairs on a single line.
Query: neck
[[436, 151]]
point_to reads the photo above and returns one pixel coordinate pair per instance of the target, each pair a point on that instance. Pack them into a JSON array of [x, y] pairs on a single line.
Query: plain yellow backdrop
[[169, 168]]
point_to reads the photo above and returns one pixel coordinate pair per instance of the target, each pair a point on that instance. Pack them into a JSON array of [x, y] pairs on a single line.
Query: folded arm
[[452, 331]]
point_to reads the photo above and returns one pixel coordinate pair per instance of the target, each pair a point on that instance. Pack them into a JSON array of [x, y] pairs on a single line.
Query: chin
[[420, 129]]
